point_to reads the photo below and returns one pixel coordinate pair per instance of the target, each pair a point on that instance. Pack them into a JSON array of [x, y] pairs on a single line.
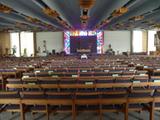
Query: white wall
[[54, 40], [120, 40]]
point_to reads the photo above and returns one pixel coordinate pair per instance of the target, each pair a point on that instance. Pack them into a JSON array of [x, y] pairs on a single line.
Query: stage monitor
[[93, 40]]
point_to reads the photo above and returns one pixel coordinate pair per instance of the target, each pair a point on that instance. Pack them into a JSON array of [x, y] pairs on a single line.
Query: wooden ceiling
[[62, 15]]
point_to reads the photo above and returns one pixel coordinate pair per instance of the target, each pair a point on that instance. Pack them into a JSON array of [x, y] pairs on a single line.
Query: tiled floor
[[81, 116]]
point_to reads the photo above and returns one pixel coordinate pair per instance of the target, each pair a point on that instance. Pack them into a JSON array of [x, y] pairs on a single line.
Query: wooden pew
[[23, 87], [123, 79], [86, 101], [142, 97], [61, 102], [156, 72], [110, 99], [10, 102], [11, 73], [35, 101], [46, 100]]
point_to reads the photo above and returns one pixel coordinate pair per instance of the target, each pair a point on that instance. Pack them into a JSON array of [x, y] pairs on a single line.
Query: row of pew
[[104, 84], [101, 84], [74, 102]]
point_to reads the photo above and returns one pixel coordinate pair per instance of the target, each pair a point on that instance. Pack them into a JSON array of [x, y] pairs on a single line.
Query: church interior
[[79, 59]]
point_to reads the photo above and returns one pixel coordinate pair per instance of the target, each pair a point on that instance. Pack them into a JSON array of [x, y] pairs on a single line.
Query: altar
[[83, 51]]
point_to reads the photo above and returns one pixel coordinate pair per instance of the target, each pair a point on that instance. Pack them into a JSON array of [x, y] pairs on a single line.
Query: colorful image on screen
[[99, 34]]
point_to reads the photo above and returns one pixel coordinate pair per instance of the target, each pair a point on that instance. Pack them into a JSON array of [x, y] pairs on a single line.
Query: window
[[26, 43], [137, 41], [22, 42], [15, 49], [151, 46]]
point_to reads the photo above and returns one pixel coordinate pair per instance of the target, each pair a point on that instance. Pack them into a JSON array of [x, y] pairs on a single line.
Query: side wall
[[54, 40], [4, 43]]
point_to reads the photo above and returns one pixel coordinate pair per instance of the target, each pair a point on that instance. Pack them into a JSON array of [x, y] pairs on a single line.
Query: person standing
[[110, 50]]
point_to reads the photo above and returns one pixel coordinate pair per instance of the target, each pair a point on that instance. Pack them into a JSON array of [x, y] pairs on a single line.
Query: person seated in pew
[[110, 50]]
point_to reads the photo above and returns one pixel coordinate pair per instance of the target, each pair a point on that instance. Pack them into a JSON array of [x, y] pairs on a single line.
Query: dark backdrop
[[83, 42]]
